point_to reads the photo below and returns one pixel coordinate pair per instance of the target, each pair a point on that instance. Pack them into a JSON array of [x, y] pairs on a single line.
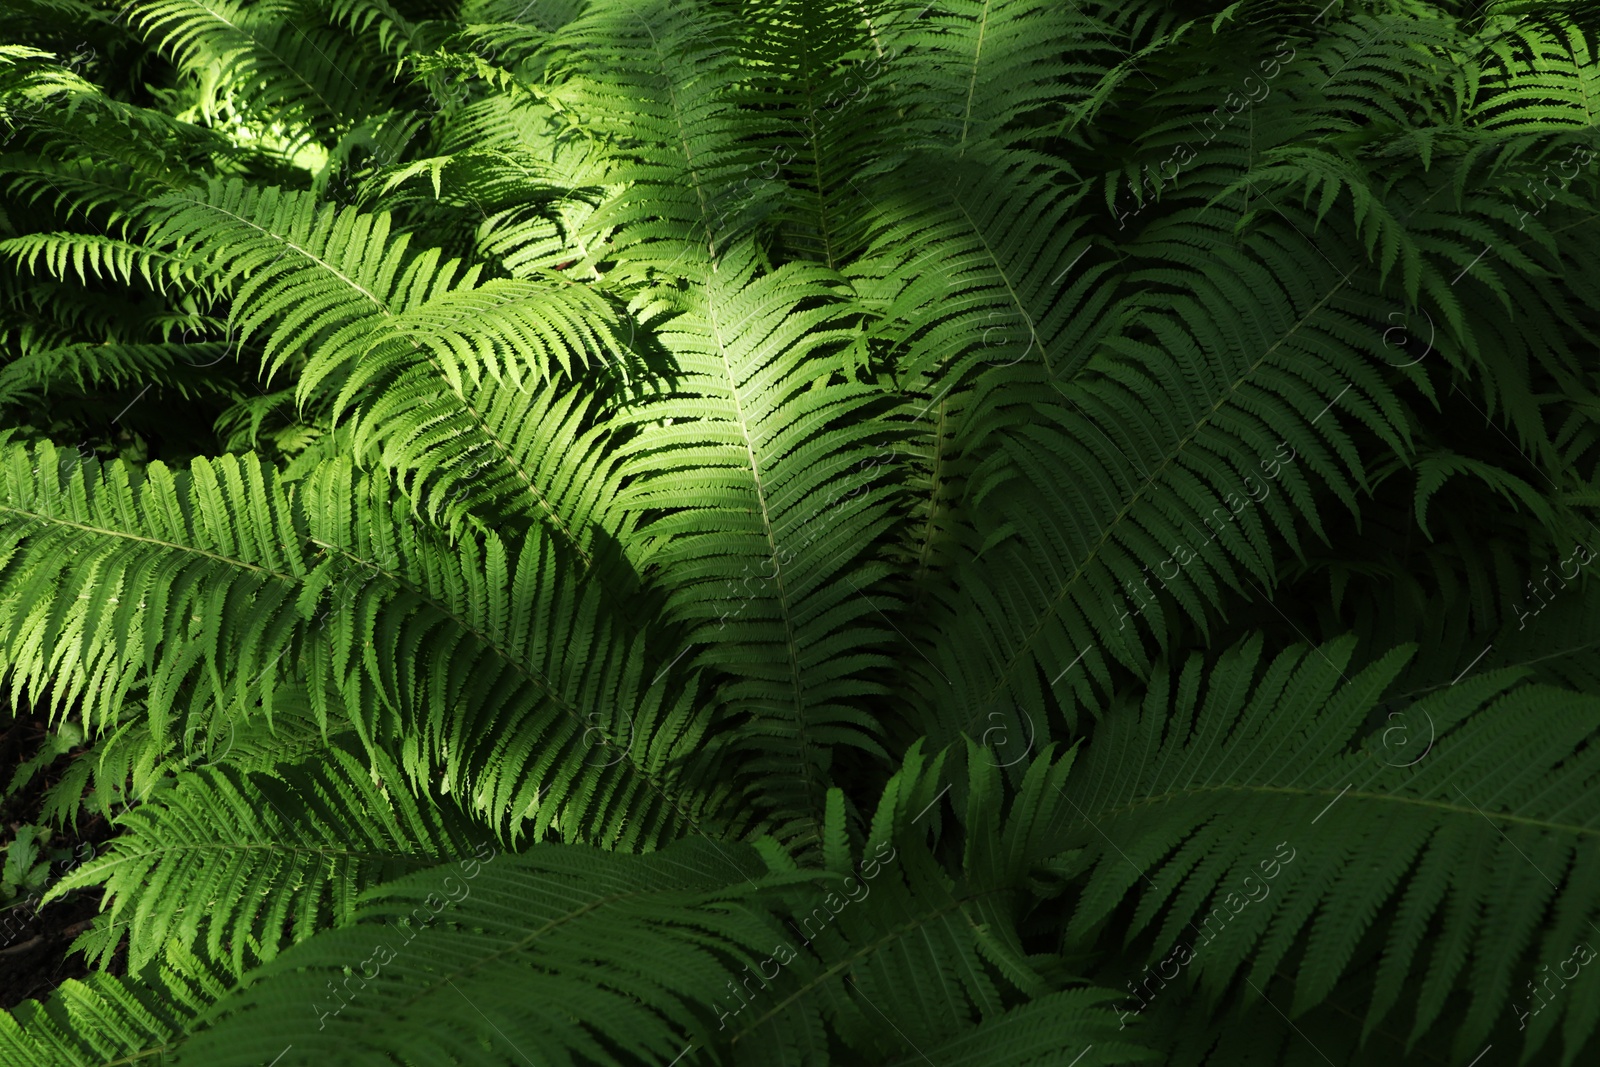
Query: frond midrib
[[1283, 790], [250, 846], [772, 544], [972, 82], [916, 923], [518, 946], [1004, 674], [190, 549], [308, 254], [516, 664]]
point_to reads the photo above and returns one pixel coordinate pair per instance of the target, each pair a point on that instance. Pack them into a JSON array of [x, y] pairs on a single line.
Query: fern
[[769, 532], [1407, 841], [292, 848], [108, 1018]]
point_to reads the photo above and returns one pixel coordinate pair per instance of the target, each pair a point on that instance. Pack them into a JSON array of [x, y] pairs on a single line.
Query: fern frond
[[297, 71], [552, 714], [657, 82], [814, 65], [255, 862], [755, 431], [187, 551], [932, 950], [979, 75], [1482, 847], [537, 701], [1549, 80], [108, 1019], [104, 257], [179, 367], [890, 932], [127, 763], [1159, 481], [303, 267], [497, 952], [411, 346]]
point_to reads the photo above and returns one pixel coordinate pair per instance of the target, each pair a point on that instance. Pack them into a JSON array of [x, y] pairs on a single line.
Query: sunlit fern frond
[[253, 862]]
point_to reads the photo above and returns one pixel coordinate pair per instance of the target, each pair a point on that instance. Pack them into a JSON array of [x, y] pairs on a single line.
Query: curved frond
[[257, 861], [1479, 855]]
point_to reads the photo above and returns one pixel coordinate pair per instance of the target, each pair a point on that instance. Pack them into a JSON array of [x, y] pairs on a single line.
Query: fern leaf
[[1347, 834], [259, 861]]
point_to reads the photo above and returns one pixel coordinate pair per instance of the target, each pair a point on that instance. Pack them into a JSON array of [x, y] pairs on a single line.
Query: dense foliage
[[834, 531]]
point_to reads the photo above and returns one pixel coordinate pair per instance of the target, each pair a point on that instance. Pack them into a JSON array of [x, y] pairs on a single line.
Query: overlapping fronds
[[495, 665], [303, 269], [550, 711], [750, 461], [300, 71], [174, 557], [107, 1019], [495, 951], [256, 861], [1477, 852], [977, 74], [438, 368], [658, 82], [722, 452], [1199, 494], [888, 932]]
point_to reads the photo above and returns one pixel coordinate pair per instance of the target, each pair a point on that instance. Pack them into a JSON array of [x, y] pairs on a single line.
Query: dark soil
[[34, 943]]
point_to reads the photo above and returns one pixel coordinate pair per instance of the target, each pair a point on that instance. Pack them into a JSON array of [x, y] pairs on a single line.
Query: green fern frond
[[127, 763], [658, 83], [1119, 482], [254, 862], [111, 1020], [1482, 847], [978, 74], [813, 65], [754, 431], [1549, 80], [82, 367], [187, 549], [299, 71], [536, 700], [887, 932], [101, 256], [302, 267], [913, 942], [603, 742], [495, 952]]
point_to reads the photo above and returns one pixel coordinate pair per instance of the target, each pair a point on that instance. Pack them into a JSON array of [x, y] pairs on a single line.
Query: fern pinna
[[627, 532]]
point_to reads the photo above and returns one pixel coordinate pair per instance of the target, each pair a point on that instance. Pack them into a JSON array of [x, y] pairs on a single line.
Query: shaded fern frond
[[179, 367], [501, 949], [888, 931], [657, 83], [1121, 482], [297, 70], [1478, 852]]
